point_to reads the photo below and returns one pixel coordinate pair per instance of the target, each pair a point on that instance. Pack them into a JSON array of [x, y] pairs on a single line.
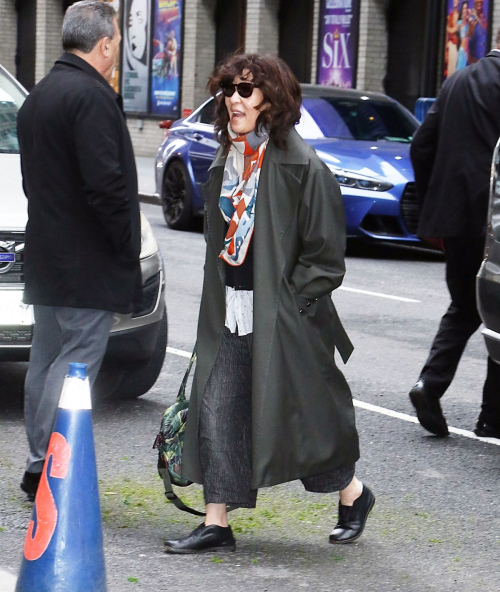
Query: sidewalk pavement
[[146, 175], [7, 581]]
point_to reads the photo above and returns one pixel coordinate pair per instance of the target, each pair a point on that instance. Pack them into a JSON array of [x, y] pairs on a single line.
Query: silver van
[[488, 281], [138, 341]]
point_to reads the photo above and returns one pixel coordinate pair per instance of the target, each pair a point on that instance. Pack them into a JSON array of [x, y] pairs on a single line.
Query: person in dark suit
[[451, 155], [83, 236]]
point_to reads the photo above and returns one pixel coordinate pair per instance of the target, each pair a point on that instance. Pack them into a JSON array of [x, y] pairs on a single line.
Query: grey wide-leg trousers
[[61, 335], [225, 431]]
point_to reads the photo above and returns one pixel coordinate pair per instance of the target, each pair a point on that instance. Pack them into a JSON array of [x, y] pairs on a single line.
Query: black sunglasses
[[245, 89]]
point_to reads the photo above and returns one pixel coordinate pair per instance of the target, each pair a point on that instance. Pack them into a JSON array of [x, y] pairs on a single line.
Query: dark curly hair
[[277, 83]]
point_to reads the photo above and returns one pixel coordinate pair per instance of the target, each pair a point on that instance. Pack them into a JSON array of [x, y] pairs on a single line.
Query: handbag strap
[[181, 396], [170, 495], [163, 469]]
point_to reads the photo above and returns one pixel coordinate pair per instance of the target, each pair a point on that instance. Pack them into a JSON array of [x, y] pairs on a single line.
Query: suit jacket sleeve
[[320, 267], [97, 133], [423, 151]]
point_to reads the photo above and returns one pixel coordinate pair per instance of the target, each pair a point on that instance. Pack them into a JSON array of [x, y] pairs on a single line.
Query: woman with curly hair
[[268, 403]]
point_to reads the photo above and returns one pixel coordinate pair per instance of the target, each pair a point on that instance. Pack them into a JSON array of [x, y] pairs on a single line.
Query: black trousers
[[463, 259], [225, 431]]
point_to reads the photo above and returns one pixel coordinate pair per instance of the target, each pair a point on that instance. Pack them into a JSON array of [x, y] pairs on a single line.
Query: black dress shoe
[[203, 540], [29, 484], [486, 430], [352, 519], [429, 411]]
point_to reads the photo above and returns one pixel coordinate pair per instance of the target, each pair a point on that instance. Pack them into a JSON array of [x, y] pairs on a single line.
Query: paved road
[[436, 523]]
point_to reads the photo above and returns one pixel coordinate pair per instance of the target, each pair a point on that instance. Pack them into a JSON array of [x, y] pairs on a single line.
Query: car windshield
[[11, 99], [360, 118]]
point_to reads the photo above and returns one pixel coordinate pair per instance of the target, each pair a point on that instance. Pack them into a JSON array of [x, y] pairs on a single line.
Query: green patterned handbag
[[169, 443]]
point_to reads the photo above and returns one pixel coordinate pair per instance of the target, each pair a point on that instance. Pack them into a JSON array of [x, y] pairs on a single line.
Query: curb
[[150, 198], [7, 581]]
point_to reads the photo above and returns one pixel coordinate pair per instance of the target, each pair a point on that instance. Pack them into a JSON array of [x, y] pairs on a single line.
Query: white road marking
[[178, 352], [7, 581], [379, 294], [412, 419], [382, 410]]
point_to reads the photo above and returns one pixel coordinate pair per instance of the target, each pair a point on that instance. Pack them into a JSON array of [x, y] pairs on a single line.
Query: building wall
[[49, 21], [495, 22], [8, 35], [262, 26], [373, 41], [314, 52], [146, 135]]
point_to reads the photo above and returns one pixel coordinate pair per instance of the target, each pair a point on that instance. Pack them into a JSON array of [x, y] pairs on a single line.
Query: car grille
[[409, 208], [15, 336], [12, 243], [382, 225], [149, 296]]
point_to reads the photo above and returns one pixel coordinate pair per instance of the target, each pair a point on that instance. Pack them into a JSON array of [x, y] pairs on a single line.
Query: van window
[[11, 99]]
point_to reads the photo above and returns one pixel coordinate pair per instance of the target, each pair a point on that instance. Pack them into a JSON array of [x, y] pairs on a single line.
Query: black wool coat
[[302, 412], [83, 237], [452, 150]]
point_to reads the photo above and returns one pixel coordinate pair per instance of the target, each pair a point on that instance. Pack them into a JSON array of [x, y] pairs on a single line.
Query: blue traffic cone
[[63, 551]]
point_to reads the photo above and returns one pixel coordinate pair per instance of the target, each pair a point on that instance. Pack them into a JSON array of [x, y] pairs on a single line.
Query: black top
[[240, 277], [83, 237], [452, 150]]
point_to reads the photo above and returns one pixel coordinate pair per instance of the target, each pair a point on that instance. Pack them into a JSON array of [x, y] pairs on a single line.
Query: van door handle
[[198, 136]]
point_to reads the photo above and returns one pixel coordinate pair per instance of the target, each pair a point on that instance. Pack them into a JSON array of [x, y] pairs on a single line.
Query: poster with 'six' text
[[338, 42]]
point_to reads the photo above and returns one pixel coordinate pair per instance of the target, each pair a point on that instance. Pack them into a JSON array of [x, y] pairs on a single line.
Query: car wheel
[[176, 197], [132, 379]]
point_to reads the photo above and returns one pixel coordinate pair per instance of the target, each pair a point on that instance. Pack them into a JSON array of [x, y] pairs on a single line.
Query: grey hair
[[86, 23]]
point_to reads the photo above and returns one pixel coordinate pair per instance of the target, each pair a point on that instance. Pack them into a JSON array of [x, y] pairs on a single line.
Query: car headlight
[[350, 179], [149, 246]]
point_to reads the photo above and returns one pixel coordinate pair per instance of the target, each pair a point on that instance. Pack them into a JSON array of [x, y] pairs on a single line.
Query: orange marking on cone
[[46, 510]]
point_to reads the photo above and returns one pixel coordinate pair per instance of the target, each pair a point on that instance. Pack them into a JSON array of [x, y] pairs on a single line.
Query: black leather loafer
[[203, 539], [29, 484], [429, 412], [486, 430], [352, 519]]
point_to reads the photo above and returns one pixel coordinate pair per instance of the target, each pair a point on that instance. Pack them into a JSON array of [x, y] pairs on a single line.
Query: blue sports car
[[364, 138]]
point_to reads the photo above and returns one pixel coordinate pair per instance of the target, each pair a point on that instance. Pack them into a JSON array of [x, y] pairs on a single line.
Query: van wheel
[[129, 380]]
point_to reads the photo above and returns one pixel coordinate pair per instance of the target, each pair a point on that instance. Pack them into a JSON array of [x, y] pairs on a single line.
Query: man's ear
[[105, 46]]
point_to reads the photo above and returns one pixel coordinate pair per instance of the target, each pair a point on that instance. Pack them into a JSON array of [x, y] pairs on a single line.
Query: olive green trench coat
[[302, 412]]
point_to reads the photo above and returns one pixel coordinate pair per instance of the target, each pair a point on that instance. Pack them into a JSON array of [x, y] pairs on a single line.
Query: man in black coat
[[451, 155], [83, 237]]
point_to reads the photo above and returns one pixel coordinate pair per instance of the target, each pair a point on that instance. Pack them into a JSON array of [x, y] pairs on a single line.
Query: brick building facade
[[30, 41]]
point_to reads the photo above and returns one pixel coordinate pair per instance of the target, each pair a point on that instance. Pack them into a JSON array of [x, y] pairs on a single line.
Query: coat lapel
[[214, 220], [281, 174]]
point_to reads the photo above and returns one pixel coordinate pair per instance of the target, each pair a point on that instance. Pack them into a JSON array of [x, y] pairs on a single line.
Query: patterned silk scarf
[[239, 192]]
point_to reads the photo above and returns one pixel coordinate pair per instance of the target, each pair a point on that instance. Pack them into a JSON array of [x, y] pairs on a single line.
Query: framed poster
[[468, 25], [135, 55], [338, 42], [115, 76], [167, 58]]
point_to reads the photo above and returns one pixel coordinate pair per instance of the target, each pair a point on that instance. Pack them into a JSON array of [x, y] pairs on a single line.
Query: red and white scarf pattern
[[239, 192]]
